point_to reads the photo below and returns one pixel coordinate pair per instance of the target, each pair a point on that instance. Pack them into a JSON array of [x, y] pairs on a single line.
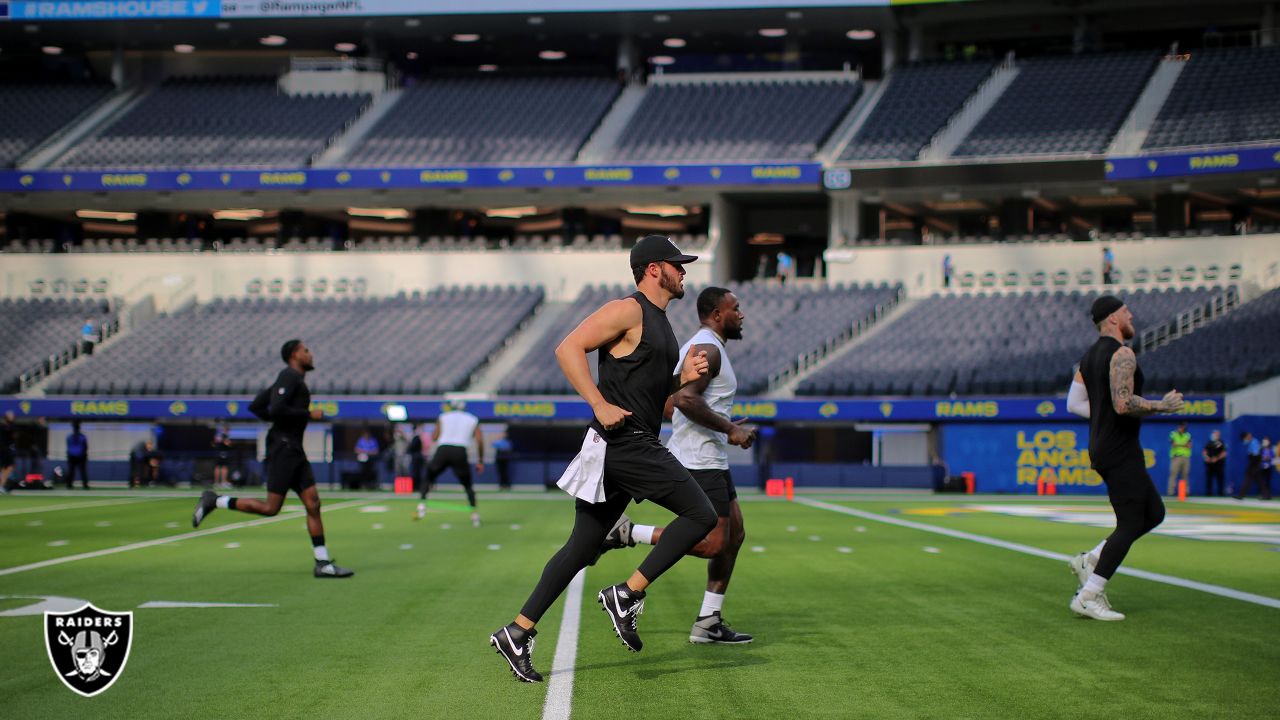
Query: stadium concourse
[[916, 206]]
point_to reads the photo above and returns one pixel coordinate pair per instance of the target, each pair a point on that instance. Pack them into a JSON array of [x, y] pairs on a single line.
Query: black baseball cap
[[1104, 306], [657, 248]]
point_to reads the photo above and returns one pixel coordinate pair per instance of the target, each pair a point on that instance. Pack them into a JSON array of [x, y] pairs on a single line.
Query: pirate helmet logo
[[88, 647]]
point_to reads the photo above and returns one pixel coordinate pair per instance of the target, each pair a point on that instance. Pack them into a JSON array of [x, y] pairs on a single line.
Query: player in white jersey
[[701, 431], [456, 429]]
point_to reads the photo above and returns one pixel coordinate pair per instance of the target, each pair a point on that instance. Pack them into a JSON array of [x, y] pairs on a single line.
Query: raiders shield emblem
[[88, 647]]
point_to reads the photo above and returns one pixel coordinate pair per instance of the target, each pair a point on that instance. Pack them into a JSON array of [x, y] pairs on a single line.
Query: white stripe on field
[[560, 688], [1038, 552], [166, 540], [71, 506]]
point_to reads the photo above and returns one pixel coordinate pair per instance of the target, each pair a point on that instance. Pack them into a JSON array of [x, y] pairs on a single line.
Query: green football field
[[862, 605]]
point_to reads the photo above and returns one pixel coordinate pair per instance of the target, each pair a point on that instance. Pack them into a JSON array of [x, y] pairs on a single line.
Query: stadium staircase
[[336, 153], [599, 147], [785, 385], [1134, 132], [487, 379], [949, 138], [1189, 321], [843, 134], [114, 106]]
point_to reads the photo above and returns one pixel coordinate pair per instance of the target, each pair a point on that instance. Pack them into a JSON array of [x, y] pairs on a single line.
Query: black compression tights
[[696, 518], [1138, 509]]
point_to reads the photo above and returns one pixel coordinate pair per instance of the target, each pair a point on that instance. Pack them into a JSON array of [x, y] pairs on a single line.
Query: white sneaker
[[475, 519], [1098, 608], [1081, 566], [422, 511]]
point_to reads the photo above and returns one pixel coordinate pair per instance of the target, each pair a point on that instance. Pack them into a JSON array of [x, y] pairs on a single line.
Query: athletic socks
[[1096, 552], [322, 552], [711, 603], [1093, 586], [226, 502], [643, 534]]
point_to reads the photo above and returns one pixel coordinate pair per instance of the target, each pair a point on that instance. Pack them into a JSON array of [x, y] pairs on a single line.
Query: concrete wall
[[562, 274], [919, 269]]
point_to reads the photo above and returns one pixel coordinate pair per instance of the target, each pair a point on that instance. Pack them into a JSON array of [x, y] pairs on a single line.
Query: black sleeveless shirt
[[641, 381], [1113, 438]]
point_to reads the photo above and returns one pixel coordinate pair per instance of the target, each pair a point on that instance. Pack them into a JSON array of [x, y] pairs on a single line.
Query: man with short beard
[[287, 403]]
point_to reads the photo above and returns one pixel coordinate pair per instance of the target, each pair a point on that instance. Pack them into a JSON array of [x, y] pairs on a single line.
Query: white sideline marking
[[170, 604], [1039, 552], [559, 700], [72, 506], [166, 540], [47, 603]]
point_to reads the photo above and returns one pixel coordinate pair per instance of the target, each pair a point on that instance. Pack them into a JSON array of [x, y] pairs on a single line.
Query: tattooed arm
[[1123, 365]]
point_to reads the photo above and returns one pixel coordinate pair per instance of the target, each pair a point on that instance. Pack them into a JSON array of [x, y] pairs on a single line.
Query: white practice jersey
[[695, 446], [457, 427]]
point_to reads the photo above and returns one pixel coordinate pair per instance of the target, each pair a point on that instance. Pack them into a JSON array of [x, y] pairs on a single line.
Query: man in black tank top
[[1109, 373], [639, 368]]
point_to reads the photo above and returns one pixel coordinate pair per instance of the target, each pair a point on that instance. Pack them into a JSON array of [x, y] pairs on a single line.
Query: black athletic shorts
[[288, 469], [1127, 480], [6, 458], [718, 485], [453, 457], [641, 467]]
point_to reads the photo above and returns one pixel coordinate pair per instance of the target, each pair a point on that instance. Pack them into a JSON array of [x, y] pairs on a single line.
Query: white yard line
[[559, 701], [165, 540], [1039, 552], [72, 506]]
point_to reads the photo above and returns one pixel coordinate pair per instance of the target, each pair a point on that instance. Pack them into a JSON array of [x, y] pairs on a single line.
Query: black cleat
[[623, 604], [326, 569], [515, 644], [207, 503], [713, 629], [619, 537]]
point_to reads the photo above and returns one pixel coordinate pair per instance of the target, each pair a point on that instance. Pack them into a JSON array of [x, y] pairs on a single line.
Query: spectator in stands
[[1108, 266], [1215, 464], [786, 266], [77, 456], [948, 270], [367, 455], [222, 457], [7, 453], [502, 461], [1179, 457], [88, 336], [1253, 467]]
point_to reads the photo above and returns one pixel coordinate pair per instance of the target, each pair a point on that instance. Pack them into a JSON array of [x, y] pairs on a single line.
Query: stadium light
[[51, 50], [345, 47], [674, 42], [383, 213], [239, 215], [511, 212], [411, 55], [535, 20], [397, 413], [662, 60], [184, 48], [659, 210], [106, 215], [466, 37], [772, 32], [487, 68], [552, 54], [273, 40], [861, 34]]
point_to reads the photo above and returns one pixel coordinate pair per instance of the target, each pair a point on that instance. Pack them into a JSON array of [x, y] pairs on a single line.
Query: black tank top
[[1113, 438], [641, 381]]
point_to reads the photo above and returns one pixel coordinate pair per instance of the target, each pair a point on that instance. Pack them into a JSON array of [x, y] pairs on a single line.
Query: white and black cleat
[[712, 629], [619, 537], [515, 645], [327, 569], [207, 503], [623, 605]]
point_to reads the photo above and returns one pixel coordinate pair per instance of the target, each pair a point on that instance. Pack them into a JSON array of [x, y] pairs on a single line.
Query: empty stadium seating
[[1229, 95], [1059, 105], [726, 120], [419, 344], [31, 113], [916, 104], [1237, 349], [224, 123], [782, 324], [35, 329], [490, 120], [1019, 343]]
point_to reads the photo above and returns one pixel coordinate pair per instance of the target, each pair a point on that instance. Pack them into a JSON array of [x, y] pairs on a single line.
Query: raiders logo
[[88, 647]]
